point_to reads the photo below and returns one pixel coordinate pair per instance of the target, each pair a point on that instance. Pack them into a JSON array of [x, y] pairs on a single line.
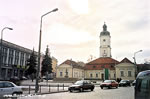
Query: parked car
[[142, 86], [47, 78], [124, 83], [81, 86], [109, 84], [15, 80], [9, 88], [23, 78], [133, 83]]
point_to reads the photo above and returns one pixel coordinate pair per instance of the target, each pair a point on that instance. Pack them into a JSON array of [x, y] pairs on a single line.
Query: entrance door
[[102, 76], [106, 74]]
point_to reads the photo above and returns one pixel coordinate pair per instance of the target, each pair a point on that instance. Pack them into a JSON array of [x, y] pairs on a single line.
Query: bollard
[[29, 89], [49, 88], [63, 86], [58, 88], [40, 88]]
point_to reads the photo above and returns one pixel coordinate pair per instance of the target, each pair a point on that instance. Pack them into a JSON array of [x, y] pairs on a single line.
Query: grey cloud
[[140, 23]]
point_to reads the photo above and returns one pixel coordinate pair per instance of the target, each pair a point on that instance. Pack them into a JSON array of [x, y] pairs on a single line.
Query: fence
[[45, 89]]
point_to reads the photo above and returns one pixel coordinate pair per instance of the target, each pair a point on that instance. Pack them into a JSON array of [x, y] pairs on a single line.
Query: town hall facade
[[102, 68]]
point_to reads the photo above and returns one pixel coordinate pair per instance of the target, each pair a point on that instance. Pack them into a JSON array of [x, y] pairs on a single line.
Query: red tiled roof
[[101, 63], [103, 60], [125, 60]]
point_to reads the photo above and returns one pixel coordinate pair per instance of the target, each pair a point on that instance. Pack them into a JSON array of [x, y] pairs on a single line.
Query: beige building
[[54, 64], [70, 69], [125, 70], [101, 69]]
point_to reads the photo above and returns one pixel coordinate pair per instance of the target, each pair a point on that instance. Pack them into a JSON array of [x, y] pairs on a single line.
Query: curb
[[52, 92]]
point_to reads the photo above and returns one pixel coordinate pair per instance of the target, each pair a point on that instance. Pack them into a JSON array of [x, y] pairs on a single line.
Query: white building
[[70, 69], [105, 41], [14, 59]]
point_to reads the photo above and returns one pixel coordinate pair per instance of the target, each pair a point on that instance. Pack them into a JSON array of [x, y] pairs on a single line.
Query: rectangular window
[[4, 55], [10, 59], [75, 74], [96, 75], [16, 58], [22, 59], [122, 73], [91, 75], [129, 74], [61, 74]]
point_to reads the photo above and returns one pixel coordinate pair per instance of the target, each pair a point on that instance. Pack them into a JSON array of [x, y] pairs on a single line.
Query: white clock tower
[[105, 47]]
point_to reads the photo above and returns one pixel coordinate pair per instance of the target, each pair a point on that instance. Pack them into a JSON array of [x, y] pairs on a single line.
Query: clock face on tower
[[104, 40]]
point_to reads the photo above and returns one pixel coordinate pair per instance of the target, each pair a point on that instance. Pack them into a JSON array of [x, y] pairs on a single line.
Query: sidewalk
[[44, 87], [51, 82], [29, 82]]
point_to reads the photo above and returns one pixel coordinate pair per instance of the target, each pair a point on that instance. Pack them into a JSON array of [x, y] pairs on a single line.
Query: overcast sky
[[73, 31]]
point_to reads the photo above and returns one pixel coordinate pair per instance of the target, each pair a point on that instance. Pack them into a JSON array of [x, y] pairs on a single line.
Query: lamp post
[[1, 49], [136, 69], [39, 51]]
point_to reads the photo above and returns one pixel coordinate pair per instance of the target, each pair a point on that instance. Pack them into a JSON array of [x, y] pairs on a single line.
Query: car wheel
[[16, 93], [101, 87], [109, 87], [91, 89], [70, 90], [116, 86], [81, 89]]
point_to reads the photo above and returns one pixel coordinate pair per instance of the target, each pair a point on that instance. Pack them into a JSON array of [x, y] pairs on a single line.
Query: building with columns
[[14, 59]]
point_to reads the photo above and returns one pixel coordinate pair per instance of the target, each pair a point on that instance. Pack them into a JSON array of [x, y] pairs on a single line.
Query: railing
[[45, 89]]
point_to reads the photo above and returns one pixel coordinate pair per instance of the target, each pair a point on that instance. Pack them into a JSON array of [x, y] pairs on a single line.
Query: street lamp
[[1, 49], [38, 68], [136, 70]]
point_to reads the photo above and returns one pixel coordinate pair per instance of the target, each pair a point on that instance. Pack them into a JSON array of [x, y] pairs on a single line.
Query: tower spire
[[104, 27]]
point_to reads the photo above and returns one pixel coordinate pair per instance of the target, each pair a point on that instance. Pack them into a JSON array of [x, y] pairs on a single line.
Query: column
[[7, 56]]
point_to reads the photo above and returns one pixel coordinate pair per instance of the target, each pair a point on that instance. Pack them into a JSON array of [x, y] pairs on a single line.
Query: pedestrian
[[118, 80]]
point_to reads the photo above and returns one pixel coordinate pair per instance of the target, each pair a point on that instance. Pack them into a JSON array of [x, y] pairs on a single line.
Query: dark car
[[133, 83], [142, 85], [15, 80], [81, 86], [109, 84], [124, 83], [23, 78]]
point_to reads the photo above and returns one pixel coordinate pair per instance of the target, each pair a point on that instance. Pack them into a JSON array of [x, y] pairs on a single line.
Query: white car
[[9, 88]]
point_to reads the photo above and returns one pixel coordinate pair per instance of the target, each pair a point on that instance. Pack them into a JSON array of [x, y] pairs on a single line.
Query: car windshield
[[123, 80], [78, 83], [107, 81]]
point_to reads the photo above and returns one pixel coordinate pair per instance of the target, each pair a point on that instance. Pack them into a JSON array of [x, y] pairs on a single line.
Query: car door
[[113, 84], [85, 85], [8, 88], [1, 88]]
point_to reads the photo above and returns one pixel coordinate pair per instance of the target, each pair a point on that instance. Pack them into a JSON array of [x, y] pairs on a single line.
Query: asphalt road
[[119, 93]]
